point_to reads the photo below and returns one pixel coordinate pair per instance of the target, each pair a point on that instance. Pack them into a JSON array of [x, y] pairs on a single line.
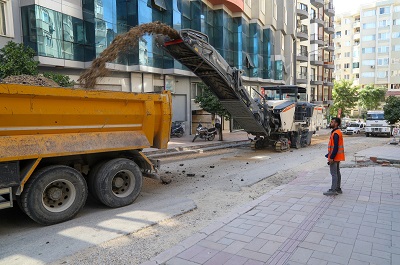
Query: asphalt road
[[203, 188]]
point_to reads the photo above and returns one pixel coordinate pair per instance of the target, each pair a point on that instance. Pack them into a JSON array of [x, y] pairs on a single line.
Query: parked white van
[[355, 128]]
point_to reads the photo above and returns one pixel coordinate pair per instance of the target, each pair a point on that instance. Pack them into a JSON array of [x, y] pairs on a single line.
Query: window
[[396, 48], [356, 65], [369, 25], [383, 49], [384, 10], [382, 74], [396, 22], [357, 76], [3, 29], [396, 35], [396, 73], [368, 37], [338, 66], [347, 54], [338, 34], [369, 13], [347, 43], [346, 32], [368, 50], [382, 61], [196, 90], [347, 77], [347, 21], [383, 23], [346, 66], [368, 62], [338, 56], [396, 9], [355, 53], [383, 36], [368, 74]]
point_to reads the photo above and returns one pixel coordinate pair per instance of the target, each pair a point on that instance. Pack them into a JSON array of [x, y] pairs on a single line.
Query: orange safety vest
[[340, 154]]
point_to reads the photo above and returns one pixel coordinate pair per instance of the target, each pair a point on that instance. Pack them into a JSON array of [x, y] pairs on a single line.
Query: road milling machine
[[277, 119]]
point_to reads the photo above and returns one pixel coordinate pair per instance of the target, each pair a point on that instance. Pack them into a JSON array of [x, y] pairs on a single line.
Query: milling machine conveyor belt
[[194, 52]]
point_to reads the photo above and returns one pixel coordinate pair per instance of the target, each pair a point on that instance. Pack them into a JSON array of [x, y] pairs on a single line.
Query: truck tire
[[91, 180], [54, 194], [117, 182], [367, 134]]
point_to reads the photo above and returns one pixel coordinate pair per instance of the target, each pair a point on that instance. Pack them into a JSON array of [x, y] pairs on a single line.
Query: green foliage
[[60, 79], [345, 97], [17, 59], [209, 102], [392, 109], [370, 97]]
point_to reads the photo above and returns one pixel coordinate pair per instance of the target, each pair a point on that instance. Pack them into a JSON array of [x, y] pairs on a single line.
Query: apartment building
[[367, 45], [257, 36], [315, 48]]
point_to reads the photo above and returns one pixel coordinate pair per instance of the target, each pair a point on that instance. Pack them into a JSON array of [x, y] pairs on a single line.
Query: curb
[[194, 149]]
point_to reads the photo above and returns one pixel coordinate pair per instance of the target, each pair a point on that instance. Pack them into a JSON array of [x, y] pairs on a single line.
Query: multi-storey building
[[254, 35], [367, 45], [315, 49]]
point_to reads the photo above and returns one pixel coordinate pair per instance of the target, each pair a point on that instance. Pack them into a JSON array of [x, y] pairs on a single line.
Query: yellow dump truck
[[57, 144]]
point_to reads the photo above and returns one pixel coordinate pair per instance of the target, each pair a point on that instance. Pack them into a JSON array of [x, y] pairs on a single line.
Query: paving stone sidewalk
[[295, 224]]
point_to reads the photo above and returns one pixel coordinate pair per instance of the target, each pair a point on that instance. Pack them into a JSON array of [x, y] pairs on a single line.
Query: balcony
[[317, 3], [316, 59], [329, 28], [329, 46], [302, 32], [316, 80], [328, 64], [302, 55], [301, 78], [317, 39], [302, 11], [328, 81], [317, 18], [356, 24], [329, 9]]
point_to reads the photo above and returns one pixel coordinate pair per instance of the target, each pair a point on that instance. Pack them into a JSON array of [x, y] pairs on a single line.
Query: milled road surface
[[203, 188]]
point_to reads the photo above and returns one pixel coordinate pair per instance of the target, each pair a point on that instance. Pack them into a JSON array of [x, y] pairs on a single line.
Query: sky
[[342, 6]]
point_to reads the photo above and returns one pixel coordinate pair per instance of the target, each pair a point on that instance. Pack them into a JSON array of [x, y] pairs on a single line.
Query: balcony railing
[[317, 16], [303, 29], [302, 75], [302, 52], [319, 37]]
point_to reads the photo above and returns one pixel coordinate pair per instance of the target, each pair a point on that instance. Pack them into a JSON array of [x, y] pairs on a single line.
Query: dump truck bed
[[47, 122]]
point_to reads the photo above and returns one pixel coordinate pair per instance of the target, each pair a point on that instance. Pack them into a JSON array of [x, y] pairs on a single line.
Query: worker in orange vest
[[335, 155]]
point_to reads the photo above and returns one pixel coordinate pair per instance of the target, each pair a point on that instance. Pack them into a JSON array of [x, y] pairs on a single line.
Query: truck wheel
[[388, 135], [54, 194], [367, 134], [117, 182]]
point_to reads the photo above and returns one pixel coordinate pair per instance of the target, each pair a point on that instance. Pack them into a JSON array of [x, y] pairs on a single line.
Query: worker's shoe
[[330, 192], [339, 191]]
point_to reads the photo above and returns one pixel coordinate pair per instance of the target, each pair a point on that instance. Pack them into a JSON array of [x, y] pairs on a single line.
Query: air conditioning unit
[[372, 66]]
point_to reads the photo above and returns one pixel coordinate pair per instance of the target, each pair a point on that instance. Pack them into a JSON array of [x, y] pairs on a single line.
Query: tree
[[370, 97], [60, 79], [17, 59], [210, 103], [392, 109], [345, 97]]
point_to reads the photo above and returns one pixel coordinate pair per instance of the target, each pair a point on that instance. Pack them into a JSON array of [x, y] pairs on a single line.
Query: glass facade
[[53, 34]]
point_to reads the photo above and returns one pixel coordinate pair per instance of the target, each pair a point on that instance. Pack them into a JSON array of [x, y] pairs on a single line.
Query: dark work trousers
[[335, 172]]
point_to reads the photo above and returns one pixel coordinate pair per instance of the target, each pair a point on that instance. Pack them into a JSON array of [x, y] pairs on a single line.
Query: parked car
[[355, 128]]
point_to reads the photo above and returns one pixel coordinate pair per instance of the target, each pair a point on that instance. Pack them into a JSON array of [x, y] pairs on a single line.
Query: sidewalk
[[295, 224]]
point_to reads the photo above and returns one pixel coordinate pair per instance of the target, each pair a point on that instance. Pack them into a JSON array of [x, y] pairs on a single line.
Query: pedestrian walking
[[335, 155]]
